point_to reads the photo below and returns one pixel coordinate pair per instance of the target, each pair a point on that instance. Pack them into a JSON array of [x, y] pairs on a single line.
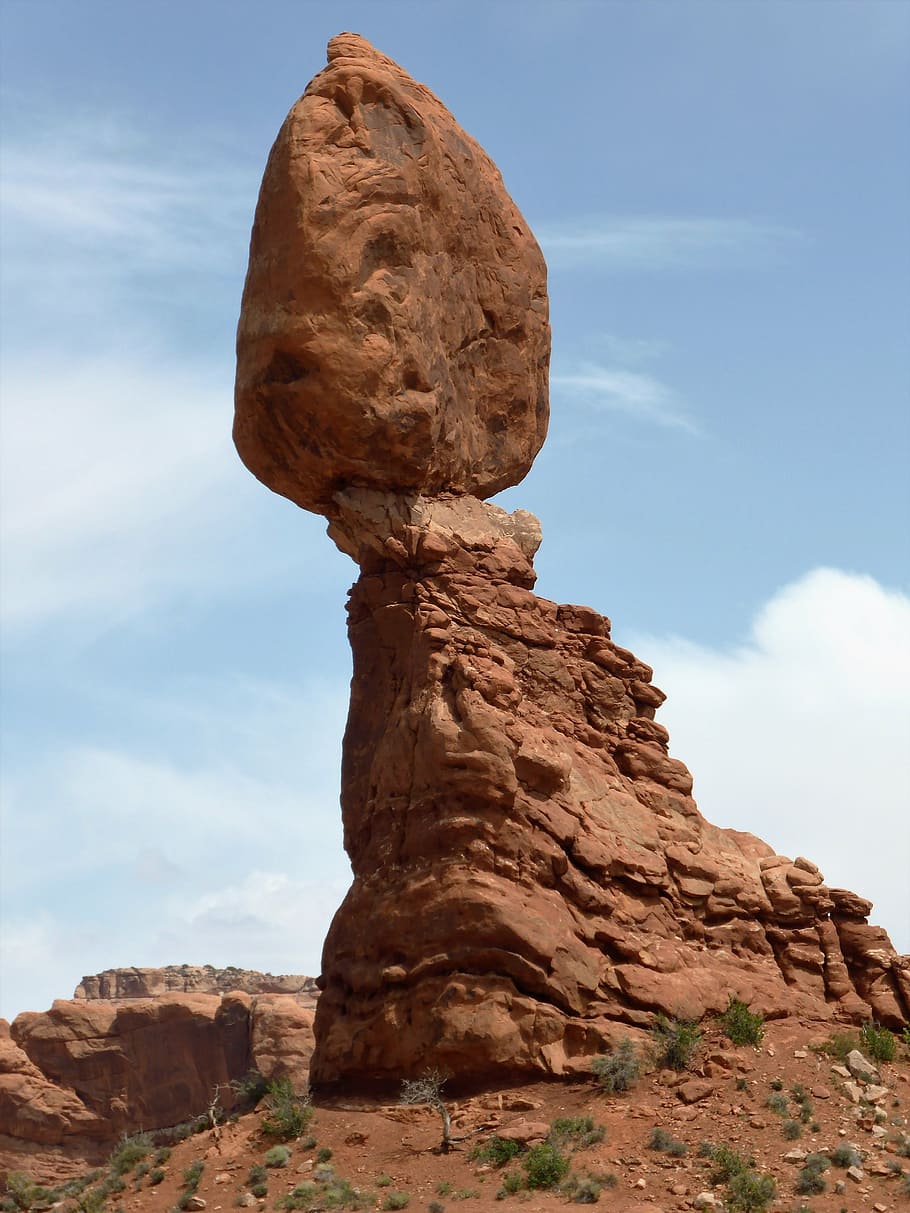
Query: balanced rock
[[531, 874], [394, 330]]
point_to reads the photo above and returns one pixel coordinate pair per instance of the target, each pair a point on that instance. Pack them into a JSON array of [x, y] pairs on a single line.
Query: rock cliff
[[530, 869], [75, 1078], [118, 984]]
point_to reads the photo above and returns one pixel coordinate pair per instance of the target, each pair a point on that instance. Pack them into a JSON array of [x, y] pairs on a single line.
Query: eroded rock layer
[[531, 871], [394, 329], [75, 1078], [121, 984]]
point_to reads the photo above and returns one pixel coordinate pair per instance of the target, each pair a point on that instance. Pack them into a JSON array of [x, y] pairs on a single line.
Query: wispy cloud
[[192, 847], [634, 393], [662, 242], [94, 185]]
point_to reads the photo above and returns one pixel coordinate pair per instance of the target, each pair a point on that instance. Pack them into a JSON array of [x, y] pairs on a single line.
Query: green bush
[[324, 1154], [749, 1192], [778, 1103], [193, 1174], [810, 1182], [726, 1164], [512, 1182], [878, 1042], [129, 1152], [545, 1166], [838, 1045], [792, 1130], [665, 1143], [619, 1070], [250, 1089], [675, 1042], [156, 1176], [287, 1114], [278, 1156], [498, 1151], [579, 1132], [846, 1156], [396, 1200], [586, 1191], [740, 1025]]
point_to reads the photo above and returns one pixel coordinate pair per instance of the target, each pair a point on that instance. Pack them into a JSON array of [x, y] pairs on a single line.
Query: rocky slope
[[780, 1104]]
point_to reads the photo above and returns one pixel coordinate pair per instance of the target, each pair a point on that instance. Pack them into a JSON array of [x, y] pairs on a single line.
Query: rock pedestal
[[532, 875]]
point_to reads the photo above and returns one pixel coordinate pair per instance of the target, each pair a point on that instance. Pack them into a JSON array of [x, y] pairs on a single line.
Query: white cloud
[[801, 734], [267, 920], [660, 242], [132, 856], [638, 395]]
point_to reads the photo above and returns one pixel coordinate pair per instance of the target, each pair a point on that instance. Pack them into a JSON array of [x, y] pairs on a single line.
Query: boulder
[[394, 329]]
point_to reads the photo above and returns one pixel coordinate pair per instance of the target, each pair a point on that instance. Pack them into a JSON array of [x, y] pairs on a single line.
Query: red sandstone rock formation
[[118, 984], [74, 1078], [395, 300], [530, 869]]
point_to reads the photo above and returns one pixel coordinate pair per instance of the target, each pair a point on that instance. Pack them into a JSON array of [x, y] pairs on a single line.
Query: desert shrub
[[193, 1174], [838, 1045], [665, 1143], [749, 1192], [156, 1176], [337, 1194], [619, 1070], [817, 1162], [878, 1042], [129, 1152], [21, 1191], [288, 1114], [792, 1130], [846, 1156], [545, 1166], [776, 1084], [278, 1156], [726, 1164], [778, 1103], [383, 1181], [512, 1183], [435, 1207], [444, 1188], [324, 1154], [396, 1200], [740, 1025], [675, 1042], [742, 1084], [467, 1194], [497, 1151], [585, 1191], [810, 1182], [250, 1089], [579, 1132]]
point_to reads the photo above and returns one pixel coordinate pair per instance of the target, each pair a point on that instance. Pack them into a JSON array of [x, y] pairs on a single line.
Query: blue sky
[[722, 192]]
